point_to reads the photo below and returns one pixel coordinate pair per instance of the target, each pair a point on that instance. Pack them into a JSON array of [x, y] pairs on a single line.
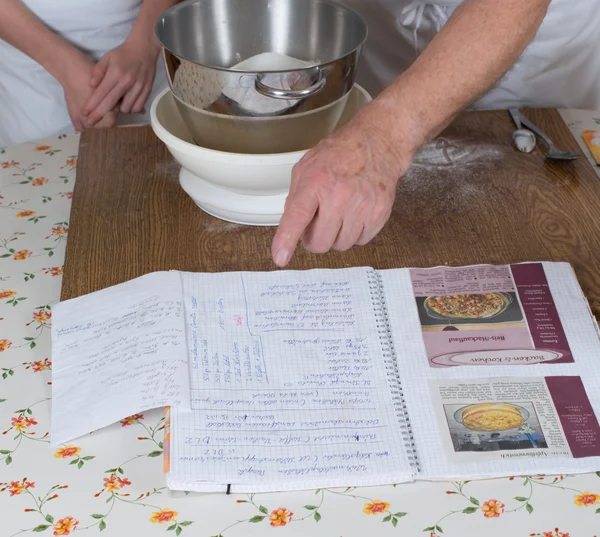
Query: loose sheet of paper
[[117, 352], [289, 385]]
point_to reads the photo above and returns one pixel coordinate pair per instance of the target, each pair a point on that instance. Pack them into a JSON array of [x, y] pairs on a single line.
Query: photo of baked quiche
[[491, 417], [466, 306]]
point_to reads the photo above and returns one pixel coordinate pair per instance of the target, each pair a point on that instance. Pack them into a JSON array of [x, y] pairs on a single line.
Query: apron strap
[[413, 16]]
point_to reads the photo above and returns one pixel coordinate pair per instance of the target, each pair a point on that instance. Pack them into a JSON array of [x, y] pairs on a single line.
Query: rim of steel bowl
[[171, 13]]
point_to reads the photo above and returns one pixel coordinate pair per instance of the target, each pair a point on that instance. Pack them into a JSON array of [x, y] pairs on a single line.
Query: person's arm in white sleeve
[[68, 65], [124, 76], [343, 190]]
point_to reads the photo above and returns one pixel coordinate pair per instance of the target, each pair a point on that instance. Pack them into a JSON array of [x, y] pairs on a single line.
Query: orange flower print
[[10, 164], [41, 148], [4, 344], [111, 484], [38, 365], [130, 420], [59, 231], [22, 423], [15, 488], [65, 526], [280, 517], [24, 214], [555, 533], [114, 483], [21, 255], [376, 507], [54, 271], [19, 423], [163, 516], [585, 499], [39, 181], [7, 294], [42, 316], [71, 162], [67, 451], [492, 509]]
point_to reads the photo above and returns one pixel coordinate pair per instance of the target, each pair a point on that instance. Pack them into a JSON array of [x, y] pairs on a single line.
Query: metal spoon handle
[[537, 131], [516, 116]]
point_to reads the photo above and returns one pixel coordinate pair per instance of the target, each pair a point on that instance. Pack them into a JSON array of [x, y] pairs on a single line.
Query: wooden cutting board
[[130, 216]]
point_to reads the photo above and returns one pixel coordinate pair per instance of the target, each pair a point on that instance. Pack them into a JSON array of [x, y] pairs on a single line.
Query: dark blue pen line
[[260, 341], [231, 446], [304, 330], [203, 389], [262, 352], [328, 409], [280, 329], [332, 428], [246, 305]]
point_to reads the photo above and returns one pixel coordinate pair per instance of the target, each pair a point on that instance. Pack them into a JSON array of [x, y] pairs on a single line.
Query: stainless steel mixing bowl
[[262, 135], [203, 39]]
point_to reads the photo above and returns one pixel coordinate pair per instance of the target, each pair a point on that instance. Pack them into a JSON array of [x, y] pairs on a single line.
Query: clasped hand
[[122, 80]]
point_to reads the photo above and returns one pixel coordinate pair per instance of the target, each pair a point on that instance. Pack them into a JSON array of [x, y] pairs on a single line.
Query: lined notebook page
[[288, 385], [581, 332]]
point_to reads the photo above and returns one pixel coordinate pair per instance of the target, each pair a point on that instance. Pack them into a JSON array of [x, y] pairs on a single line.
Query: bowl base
[[232, 206]]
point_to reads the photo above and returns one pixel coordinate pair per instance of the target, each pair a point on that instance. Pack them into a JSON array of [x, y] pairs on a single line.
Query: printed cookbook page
[[489, 315], [289, 388], [500, 368]]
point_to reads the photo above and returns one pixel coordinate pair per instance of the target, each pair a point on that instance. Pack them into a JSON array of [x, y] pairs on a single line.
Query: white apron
[[32, 103], [559, 69]]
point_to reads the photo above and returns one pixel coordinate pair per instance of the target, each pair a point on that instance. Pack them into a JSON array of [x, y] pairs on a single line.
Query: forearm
[[479, 43], [24, 31], [143, 28]]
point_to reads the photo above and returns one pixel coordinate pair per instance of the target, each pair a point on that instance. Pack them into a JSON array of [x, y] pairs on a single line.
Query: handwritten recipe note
[[286, 382], [123, 351]]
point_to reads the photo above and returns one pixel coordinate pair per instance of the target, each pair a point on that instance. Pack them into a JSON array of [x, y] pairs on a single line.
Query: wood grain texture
[[493, 205]]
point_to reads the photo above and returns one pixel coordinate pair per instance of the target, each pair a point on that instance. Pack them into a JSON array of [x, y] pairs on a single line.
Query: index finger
[[299, 212]]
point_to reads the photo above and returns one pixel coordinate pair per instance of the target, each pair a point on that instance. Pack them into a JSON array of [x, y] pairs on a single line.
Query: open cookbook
[[304, 379]]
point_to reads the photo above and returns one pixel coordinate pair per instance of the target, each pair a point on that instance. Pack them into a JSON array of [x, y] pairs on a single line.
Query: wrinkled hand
[[122, 78], [342, 191], [78, 91]]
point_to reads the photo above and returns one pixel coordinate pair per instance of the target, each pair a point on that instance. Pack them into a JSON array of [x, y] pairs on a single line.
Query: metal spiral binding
[[389, 353]]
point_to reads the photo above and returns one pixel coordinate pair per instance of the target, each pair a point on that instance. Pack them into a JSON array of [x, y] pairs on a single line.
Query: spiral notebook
[[305, 379]]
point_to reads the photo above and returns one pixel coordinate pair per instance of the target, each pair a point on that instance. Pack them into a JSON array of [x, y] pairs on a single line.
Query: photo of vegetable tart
[[468, 306], [489, 417]]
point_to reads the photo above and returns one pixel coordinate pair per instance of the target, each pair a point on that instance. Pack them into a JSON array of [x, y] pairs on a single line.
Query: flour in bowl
[[253, 102]]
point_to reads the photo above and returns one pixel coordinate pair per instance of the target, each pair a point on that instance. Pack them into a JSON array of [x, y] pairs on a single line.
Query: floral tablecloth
[[112, 481]]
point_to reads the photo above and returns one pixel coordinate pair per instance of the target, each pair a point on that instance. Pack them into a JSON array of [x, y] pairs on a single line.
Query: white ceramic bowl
[[253, 174], [232, 206]]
